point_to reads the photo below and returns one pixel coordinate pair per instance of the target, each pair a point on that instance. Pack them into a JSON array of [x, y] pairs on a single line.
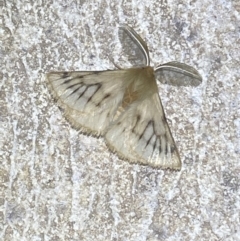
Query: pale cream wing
[[89, 99], [141, 135]]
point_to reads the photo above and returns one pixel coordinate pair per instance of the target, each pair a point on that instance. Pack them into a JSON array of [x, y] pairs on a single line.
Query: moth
[[123, 105]]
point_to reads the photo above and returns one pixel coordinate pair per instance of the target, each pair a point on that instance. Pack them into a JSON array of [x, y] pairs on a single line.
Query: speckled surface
[[57, 184]]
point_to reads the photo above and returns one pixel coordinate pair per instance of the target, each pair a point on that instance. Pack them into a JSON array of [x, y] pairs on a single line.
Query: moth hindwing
[[123, 105]]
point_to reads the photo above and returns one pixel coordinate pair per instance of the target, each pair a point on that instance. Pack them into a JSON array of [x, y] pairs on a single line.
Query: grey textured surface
[[57, 184]]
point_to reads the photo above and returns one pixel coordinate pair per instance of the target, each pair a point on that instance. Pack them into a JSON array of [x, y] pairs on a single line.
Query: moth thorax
[[146, 72]]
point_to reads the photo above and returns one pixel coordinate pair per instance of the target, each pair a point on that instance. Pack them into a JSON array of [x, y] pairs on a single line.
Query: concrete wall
[[58, 184]]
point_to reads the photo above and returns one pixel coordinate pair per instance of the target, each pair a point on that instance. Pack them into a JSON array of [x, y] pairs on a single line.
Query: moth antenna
[[113, 62]]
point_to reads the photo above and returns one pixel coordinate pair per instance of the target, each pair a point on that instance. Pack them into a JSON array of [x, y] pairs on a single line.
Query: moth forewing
[[178, 74], [141, 133], [89, 99]]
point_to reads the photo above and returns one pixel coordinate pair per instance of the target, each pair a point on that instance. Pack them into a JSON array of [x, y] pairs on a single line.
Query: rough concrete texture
[[58, 184]]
